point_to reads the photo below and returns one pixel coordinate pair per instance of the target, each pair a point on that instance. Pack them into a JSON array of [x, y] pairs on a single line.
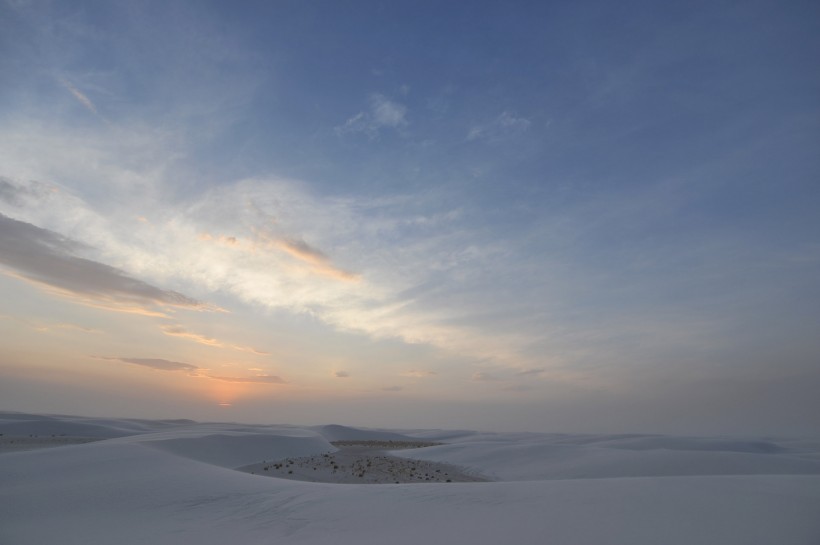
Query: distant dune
[[175, 482], [334, 432]]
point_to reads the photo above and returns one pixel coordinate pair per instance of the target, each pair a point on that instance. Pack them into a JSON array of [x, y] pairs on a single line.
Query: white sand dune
[[174, 484], [334, 432], [531, 457], [233, 449]]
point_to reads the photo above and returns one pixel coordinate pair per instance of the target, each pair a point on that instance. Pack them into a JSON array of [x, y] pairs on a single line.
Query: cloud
[[272, 263], [251, 349], [175, 330], [81, 98], [282, 229], [358, 123], [485, 377], [47, 259], [531, 372], [382, 113], [195, 371], [49, 326], [392, 389], [179, 331], [387, 113], [18, 195], [73, 327], [223, 240], [302, 250], [502, 127], [418, 374], [342, 374], [157, 363], [259, 379], [321, 263]]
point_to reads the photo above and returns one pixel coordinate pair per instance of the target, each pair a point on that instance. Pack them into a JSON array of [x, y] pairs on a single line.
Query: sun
[[224, 394]]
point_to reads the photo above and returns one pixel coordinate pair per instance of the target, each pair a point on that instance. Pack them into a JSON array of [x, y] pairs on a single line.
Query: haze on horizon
[[544, 216]]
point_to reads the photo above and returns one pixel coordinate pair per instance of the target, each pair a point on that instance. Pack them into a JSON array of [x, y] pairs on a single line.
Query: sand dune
[[334, 432], [176, 483], [550, 457]]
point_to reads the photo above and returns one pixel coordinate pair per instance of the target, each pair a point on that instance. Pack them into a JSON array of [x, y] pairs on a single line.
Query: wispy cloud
[[259, 379], [20, 195], [272, 264], [382, 113], [342, 374], [295, 247], [321, 263], [504, 126], [69, 326], [387, 113], [161, 364], [223, 240], [179, 331], [47, 259], [39, 325], [415, 373], [485, 377], [175, 330], [531, 372], [81, 97], [157, 363]]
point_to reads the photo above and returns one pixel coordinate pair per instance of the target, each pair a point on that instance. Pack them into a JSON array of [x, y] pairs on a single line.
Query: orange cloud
[[320, 263], [259, 379], [179, 331]]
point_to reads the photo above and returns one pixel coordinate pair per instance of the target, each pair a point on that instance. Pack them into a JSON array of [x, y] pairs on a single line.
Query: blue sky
[[578, 216]]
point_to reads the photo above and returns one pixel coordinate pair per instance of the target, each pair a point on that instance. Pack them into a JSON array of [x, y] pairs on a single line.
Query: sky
[[568, 216]]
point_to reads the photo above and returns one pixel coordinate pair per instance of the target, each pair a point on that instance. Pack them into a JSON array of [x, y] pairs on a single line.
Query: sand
[[175, 483], [18, 443]]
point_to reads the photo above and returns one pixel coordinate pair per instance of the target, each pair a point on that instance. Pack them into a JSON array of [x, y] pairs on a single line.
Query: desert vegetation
[[364, 462]]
